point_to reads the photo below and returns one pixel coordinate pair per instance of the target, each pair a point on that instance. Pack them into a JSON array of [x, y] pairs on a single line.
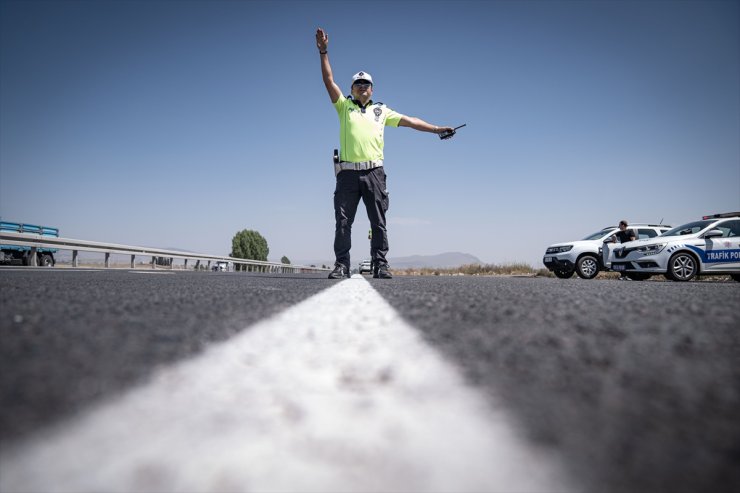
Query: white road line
[[336, 393]]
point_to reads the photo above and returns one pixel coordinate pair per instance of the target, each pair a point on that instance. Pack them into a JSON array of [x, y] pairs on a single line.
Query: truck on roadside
[[21, 255]]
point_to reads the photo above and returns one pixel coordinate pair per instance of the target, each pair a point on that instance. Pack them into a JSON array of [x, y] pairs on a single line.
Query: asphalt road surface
[[631, 386]]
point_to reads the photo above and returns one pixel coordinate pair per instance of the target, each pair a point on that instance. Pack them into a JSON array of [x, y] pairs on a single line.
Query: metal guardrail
[[35, 241]]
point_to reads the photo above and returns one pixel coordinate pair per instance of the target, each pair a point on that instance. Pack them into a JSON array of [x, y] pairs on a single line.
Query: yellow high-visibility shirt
[[361, 129]]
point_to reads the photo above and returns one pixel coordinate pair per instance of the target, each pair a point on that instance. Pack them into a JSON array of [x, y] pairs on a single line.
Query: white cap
[[362, 76]]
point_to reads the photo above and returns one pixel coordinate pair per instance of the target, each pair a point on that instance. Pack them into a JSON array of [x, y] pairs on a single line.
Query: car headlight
[[651, 249], [560, 249]]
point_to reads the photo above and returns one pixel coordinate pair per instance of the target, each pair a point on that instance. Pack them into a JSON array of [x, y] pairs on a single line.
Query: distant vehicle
[[366, 266], [583, 257], [21, 255], [709, 246], [221, 267]]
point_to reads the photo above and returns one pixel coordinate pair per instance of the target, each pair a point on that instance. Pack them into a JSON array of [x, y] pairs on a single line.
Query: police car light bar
[[726, 214]]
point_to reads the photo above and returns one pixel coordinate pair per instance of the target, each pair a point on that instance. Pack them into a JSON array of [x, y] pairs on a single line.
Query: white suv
[[366, 266], [708, 246], [583, 257]]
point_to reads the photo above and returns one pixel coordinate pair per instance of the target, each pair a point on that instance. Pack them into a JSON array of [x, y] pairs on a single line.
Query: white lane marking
[[148, 272], [336, 393]]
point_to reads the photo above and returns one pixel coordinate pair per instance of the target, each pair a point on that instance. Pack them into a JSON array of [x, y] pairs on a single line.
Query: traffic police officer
[[360, 171]]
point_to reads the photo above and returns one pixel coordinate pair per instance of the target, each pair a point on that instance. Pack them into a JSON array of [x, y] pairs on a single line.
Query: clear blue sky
[[176, 124]]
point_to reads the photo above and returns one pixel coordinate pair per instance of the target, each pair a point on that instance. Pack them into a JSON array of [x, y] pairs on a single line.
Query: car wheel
[[638, 276], [735, 277], [46, 261], [682, 267], [563, 274], [587, 267]]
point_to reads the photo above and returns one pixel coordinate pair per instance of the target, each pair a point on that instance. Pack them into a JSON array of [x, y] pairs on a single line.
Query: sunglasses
[[362, 84]]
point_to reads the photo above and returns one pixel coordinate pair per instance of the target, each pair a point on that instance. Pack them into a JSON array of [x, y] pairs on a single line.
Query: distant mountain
[[442, 260]]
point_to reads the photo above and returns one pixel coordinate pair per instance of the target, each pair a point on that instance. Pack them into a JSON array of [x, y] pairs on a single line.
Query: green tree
[[285, 260], [249, 244]]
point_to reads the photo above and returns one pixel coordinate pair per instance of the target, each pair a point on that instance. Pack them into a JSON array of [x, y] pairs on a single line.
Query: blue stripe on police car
[[715, 256]]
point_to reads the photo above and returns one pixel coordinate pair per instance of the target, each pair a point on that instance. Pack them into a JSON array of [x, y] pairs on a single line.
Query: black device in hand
[[449, 133]]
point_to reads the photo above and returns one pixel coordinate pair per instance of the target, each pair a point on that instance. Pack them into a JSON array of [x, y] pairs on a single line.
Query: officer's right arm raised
[[322, 42]]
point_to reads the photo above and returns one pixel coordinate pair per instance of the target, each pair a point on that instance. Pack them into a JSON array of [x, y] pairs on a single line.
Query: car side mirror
[[714, 233]]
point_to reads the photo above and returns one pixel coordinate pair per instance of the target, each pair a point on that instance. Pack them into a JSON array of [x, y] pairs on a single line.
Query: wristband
[[322, 52]]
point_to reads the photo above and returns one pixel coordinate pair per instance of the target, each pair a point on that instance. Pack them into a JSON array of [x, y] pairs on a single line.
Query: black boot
[[382, 272], [339, 272]]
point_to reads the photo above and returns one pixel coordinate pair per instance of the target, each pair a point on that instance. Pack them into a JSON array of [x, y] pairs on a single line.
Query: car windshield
[[688, 228], [598, 234]]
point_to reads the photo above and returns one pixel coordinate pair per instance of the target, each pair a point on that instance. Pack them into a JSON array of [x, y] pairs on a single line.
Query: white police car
[[708, 246], [365, 266], [583, 257]]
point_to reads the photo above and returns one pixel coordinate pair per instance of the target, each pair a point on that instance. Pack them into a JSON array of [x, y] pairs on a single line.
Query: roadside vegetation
[[510, 269], [518, 269], [249, 244]]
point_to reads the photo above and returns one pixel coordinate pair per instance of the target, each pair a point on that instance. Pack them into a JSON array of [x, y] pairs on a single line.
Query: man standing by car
[[624, 235], [360, 172]]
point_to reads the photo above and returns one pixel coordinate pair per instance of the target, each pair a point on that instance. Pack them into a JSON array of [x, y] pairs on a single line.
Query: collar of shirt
[[357, 103]]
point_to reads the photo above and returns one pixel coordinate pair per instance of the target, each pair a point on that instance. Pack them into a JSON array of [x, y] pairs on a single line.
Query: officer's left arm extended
[[421, 125]]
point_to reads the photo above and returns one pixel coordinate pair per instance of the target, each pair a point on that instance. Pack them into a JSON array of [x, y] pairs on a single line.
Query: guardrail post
[[74, 258], [185, 267], [133, 263], [32, 260], [107, 260]]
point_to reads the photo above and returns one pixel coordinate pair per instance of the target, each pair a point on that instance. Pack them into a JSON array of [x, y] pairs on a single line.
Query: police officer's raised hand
[[322, 39]]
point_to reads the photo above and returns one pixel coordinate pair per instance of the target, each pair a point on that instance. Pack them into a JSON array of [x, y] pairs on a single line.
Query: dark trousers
[[370, 186]]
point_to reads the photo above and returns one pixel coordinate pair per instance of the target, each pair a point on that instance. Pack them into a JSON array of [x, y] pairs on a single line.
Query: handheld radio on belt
[[449, 133]]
